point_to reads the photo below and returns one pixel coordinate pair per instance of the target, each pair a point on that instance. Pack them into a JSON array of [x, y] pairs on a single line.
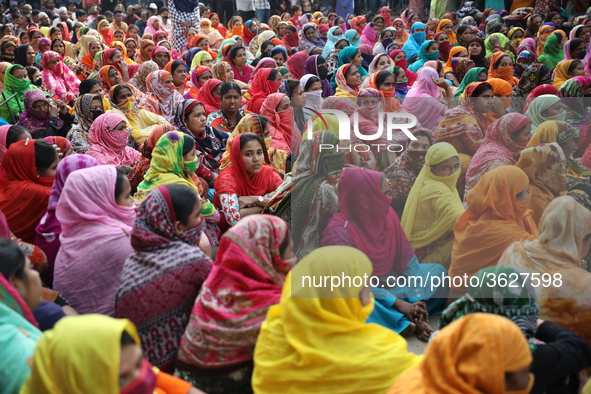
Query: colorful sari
[[32, 119], [141, 77], [49, 228], [558, 252], [78, 134], [59, 79], [161, 280], [86, 274], [545, 166], [492, 222], [316, 331]]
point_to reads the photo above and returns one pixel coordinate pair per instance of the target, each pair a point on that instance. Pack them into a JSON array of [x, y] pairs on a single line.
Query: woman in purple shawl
[[49, 228], [368, 222], [316, 65]]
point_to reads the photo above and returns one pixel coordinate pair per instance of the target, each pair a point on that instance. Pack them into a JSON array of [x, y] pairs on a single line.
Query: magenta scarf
[[369, 222]]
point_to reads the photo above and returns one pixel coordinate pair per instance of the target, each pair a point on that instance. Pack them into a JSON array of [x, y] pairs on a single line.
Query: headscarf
[[344, 90], [328, 325], [311, 67], [454, 51], [59, 79], [121, 46], [530, 79], [205, 97], [369, 36], [426, 94], [246, 70], [470, 355], [160, 49], [142, 49], [249, 265], [452, 36], [261, 88], [545, 166], [558, 251], [23, 194], [331, 40], [235, 180], [423, 56], [108, 146], [356, 22], [58, 363], [492, 222], [296, 64], [400, 36], [552, 54], [162, 255], [505, 73], [385, 13], [503, 42], [309, 45], [444, 47], [413, 44], [540, 104], [161, 99], [543, 33], [433, 204], [561, 73], [199, 58], [498, 149], [34, 120], [369, 224], [167, 165], [140, 78], [539, 91]]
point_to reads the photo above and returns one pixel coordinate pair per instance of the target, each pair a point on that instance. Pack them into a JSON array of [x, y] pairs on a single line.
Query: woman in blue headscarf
[[334, 33], [353, 36], [417, 37], [429, 51]]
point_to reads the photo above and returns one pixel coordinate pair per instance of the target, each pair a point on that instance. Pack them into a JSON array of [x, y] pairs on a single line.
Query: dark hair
[[45, 154], [295, 9], [574, 43], [227, 86], [349, 70], [31, 70], [183, 200], [164, 9], [247, 137], [87, 85], [500, 60], [462, 29], [14, 132], [176, 64], [234, 51], [55, 40], [54, 30], [421, 134], [108, 13], [573, 65], [285, 243], [15, 68], [383, 75], [80, 13], [117, 12], [121, 175], [431, 44], [273, 74], [558, 37], [188, 143], [291, 28], [551, 15], [12, 259], [498, 27], [118, 90], [481, 89], [126, 339], [311, 81]]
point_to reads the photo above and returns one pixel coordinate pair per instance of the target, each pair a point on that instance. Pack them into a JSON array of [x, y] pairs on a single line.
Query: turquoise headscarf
[[413, 44], [471, 76], [345, 56], [331, 40], [424, 57], [350, 35]]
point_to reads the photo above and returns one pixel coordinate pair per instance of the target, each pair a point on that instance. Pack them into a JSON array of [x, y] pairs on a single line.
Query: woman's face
[[96, 89], [231, 101], [315, 87], [196, 120], [398, 25], [434, 47], [156, 24], [466, 35], [168, 80], [37, 75], [442, 38], [30, 56], [214, 20], [179, 75], [116, 57], [584, 34], [357, 59], [148, 49], [40, 106], [475, 48], [447, 27], [341, 45], [283, 30], [399, 56], [579, 48], [284, 104], [96, 105], [206, 76], [56, 35], [114, 76], [131, 47], [9, 50], [537, 22], [389, 83], [447, 167], [462, 53], [578, 70], [30, 286], [517, 34], [119, 36], [20, 74], [553, 110], [506, 61], [50, 171], [237, 23], [216, 91], [286, 17], [95, 47], [125, 199], [230, 72], [124, 94], [522, 135], [59, 47], [504, 30], [416, 19], [483, 76], [557, 20], [253, 156], [35, 38], [484, 102], [338, 32], [310, 33], [160, 37], [383, 63], [352, 78], [240, 58], [162, 59], [387, 34]]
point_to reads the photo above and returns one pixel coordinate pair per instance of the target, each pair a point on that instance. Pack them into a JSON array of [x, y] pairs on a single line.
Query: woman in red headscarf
[[266, 82], [28, 169], [358, 23], [209, 95], [296, 64], [114, 57], [277, 108]]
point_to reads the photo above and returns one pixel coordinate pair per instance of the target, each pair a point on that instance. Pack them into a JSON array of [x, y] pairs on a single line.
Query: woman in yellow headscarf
[[317, 340], [121, 46], [447, 25], [566, 70], [472, 355], [67, 362], [565, 239], [433, 206], [498, 214]]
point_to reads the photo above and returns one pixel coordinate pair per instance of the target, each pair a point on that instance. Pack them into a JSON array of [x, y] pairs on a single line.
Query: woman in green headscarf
[[473, 75], [16, 82], [553, 52], [201, 58], [498, 40], [224, 43], [543, 108]]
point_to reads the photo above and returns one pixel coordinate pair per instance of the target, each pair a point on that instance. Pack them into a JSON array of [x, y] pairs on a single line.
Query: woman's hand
[[53, 111], [247, 201], [494, 40], [442, 83]]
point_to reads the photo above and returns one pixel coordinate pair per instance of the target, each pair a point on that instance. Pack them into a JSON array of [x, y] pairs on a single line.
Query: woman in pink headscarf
[[108, 141], [369, 36], [425, 95], [162, 97], [277, 108], [93, 215], [152, 26], [59, 79], [296, 63]]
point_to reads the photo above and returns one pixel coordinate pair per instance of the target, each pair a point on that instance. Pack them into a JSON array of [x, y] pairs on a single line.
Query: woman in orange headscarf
[[446, 25], [121, 46], [235, 27], [197, 41], [453, 53], [543, 33], [472, 355], [498, 70], [498, 214]]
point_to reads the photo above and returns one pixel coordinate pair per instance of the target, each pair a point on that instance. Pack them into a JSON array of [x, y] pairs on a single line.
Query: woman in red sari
[[28, 169]]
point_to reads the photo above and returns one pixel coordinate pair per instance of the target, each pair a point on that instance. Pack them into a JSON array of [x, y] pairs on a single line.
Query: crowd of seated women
[[165, 189]]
